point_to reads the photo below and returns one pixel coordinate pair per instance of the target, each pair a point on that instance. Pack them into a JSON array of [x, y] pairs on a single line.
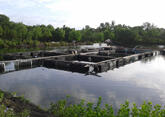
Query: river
[[136, 82]]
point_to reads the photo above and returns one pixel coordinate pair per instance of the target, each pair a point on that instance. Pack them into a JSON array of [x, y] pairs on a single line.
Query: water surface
[[136, 82]]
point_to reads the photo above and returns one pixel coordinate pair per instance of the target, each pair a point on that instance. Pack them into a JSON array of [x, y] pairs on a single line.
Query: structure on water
[[91, 61]]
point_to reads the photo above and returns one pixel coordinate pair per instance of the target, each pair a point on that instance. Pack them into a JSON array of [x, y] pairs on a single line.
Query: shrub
[[61, 109], [9, 112]]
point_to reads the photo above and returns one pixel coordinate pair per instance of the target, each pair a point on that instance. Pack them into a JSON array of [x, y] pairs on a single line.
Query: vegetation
[[83, 109], [17, 106], [9, 112], [20, 35], [95, 110]]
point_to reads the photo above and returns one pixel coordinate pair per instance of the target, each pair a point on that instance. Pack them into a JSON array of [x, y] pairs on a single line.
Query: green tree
[[1, 31], [3, 19], [87, 34], [12, 34], [37, 33], [75, 35], [98, 37], [29, 35], [46, 34], [2, 44], [21, 30], [67, 31], [50, 28], [59, 35], [108, 35]]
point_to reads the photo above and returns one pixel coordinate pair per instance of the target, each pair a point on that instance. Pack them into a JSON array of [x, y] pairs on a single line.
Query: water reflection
[[145, 60], [136, 82]]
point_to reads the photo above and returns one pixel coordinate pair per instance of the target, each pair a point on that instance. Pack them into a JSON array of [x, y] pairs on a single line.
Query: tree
[[50, 28], [12, 35], [75, 35], [59, 35], [67, 31], [3, 19], [107, 25], [108, 35], [87, 33], [102, 27], [46, 34], [148, 26], [1, 31], [37, 33], [98, 37], [29, 35]]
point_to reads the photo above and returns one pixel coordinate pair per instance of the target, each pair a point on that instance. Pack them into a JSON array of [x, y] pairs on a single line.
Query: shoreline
[[19, 104]]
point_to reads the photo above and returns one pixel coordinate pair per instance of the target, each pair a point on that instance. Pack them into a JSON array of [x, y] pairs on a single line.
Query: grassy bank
[[30, 44], [12, 106], [6, 44]]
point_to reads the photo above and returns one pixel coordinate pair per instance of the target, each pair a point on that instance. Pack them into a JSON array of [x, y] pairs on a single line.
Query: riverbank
[[37, 44], [62, 109], [20, 104], [41, 46]]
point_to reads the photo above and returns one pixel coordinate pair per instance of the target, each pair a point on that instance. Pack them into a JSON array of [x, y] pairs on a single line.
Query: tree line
[[14, 34]]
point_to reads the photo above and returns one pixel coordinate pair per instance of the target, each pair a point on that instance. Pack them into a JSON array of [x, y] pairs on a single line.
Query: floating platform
[[162, 52], [90, 62]]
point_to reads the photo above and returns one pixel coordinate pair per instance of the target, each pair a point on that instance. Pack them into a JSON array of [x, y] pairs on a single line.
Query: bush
[[61, 109], [9, 112]]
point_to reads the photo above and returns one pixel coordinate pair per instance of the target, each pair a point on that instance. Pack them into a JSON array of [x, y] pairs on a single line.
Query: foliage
[[58, 35], [74, 35], [9, 112], [20, 35], [61, 109], [1, 31], [87, 109]]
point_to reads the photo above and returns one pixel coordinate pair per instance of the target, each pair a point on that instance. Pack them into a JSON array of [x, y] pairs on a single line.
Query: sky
[[78, 13]]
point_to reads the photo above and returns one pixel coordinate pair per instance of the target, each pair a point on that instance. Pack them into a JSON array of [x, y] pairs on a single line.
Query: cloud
[[30, 12], [149, 75], [18, 3], [82, 94], [78, 13], [93, 12]]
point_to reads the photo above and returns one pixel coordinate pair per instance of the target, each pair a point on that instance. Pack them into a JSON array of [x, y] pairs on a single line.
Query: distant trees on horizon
[[13, 34]]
